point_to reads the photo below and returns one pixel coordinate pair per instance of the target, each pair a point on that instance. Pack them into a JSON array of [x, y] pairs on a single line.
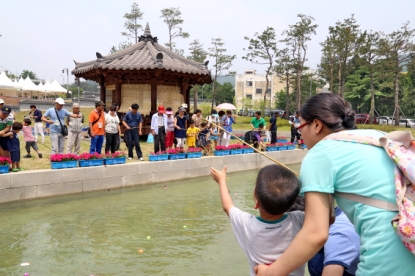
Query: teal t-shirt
[[255, 122], [368, 171]]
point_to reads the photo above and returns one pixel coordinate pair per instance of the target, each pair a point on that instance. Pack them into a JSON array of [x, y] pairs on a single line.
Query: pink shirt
[[27, 134]]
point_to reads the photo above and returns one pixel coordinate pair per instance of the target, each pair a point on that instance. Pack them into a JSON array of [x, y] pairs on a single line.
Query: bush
[[385, 128]]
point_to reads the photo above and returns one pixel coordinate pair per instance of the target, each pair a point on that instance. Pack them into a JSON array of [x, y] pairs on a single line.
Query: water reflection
[[100, 233]]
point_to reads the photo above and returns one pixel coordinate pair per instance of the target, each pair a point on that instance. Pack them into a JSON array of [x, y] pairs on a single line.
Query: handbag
[[93, 123], [64, 128]]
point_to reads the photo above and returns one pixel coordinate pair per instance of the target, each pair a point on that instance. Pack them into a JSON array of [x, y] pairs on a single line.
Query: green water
[[182, 230]]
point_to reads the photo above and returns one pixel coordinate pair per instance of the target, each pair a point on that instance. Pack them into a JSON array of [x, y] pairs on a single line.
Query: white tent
[[55, 87], [29, 86], [46, 86], [7, 87]]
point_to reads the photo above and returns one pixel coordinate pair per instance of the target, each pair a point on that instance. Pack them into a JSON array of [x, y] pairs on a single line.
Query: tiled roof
[[146, 54]]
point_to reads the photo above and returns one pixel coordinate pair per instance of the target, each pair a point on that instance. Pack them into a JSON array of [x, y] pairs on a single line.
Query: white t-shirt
[[263, 241], [111, 123]]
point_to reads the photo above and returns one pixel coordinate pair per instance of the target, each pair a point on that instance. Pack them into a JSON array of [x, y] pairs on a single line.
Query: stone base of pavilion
[[36, 184]]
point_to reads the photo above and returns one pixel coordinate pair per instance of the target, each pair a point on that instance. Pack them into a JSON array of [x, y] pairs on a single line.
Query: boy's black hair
[[191, 122], [27, 121], [134, 106], [33, 106], [221, 113], [169, 109], [261, 125], [198, 110], [17, 126], [276, 189], [203, 124]]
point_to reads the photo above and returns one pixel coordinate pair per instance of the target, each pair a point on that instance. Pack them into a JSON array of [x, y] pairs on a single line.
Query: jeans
[[111, 142], [74, 141], [58, 142], [273, 136], [160, 140], [133, 140], [316, 265], [39, 129], [96, 144]]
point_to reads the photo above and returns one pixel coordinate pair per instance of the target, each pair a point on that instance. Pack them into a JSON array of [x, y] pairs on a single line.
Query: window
[[249, 96], [258, 91], [269, 91], [249, 72], [249, 83]]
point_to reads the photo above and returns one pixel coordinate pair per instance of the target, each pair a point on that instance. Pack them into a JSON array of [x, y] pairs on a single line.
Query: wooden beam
[[153, 96], [117, 95], [102, 91]]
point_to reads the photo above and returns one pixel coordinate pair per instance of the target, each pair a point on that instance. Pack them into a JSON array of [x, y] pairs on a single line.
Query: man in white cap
[[74, 130], [56, 120]]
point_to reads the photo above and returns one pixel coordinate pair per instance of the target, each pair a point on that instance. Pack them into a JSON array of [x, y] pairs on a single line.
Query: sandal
[[15, 170]]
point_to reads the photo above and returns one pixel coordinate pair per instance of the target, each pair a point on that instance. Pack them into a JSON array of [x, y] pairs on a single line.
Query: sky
[[45, 36]]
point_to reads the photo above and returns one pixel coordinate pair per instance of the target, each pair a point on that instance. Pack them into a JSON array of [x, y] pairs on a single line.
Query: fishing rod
[[255, 149]]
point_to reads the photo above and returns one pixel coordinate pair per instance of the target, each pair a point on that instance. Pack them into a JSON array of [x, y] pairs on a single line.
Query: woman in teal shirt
[[336, 166]]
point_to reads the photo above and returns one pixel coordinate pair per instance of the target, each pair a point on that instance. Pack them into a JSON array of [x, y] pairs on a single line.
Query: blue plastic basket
[[4, 169], [194, 154], [91, 163], [248, 150], [271, 148], [177, 156], [222, 152], [160, 157], [64, 165], [114, 161], [237, 151]]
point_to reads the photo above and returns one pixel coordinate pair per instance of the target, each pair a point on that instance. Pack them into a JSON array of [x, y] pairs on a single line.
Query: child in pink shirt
[[29, 139]]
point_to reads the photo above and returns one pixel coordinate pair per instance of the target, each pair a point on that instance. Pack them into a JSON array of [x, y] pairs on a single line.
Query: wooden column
[[153, 96], [183, 91], [117, 96], [188, 95], [102, 92]]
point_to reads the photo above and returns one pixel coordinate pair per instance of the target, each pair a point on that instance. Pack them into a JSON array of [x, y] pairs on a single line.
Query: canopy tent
[[7, 87], [30, 87], [46, 86], [55, 87]]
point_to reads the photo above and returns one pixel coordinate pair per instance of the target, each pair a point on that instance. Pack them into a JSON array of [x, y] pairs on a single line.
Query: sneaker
[[130, 158], [40, 155], [27, 156], [15, 170], [141, 158]]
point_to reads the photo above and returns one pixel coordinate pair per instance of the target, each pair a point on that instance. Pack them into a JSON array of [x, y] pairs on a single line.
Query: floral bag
[[400, 147]]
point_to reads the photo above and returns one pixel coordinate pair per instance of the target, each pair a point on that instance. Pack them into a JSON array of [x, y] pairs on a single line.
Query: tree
[[262, 50], [225, 94], [198, 54], [329, 62], [172, 17], [121, 46], [370, 52], [345, 39], [297, 37], [397, 47], [131, 24], [285, 69], [222, 61], [27, 73]]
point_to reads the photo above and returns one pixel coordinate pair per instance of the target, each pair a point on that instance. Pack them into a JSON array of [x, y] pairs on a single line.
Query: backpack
[[400, 147]]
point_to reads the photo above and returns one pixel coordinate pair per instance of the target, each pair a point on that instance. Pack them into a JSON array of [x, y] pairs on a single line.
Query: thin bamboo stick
[[258, 151]]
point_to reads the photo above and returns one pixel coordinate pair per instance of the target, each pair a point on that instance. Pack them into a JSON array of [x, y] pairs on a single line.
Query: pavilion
[[145, 73]]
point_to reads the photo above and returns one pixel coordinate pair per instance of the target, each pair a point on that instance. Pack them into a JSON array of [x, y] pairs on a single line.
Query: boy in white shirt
[[266, 237]]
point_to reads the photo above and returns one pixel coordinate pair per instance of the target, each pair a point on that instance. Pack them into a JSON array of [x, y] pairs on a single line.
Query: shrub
[[4, 161], [60, 157], [89, 156]]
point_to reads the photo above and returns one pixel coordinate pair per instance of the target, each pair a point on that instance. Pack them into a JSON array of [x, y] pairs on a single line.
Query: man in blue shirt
[[56, 137], [133, 121], [37, 115], [273, 127]]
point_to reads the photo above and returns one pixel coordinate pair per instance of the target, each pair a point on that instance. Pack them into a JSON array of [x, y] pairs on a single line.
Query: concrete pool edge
[[28, 185]]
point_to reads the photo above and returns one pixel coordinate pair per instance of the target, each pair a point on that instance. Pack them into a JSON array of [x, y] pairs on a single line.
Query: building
[[251, 87]]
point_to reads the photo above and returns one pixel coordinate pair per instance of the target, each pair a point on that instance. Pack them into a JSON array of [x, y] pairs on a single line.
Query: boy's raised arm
[[220, 178]]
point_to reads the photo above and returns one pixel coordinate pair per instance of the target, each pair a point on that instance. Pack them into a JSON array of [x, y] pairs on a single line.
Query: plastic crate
[[64, 165], [160, 157], [237, 151], [222, 152], [4, 169], [91, 163], [177, 156], [249, 150], [194, 154], [114, 161]]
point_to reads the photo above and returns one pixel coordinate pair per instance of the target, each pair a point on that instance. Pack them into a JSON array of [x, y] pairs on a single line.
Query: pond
[[179, 229]]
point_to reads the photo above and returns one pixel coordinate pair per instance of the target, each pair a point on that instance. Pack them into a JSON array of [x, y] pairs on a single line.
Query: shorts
[[31, 144], [214, 137], [191, 142], [3, 143], [169, 139], [15, 156]]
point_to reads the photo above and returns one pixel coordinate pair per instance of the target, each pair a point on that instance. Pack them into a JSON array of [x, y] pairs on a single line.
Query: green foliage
[[121, 46], [224, 93], [28, 73], [173, 18], [131, 24], [197, 53]]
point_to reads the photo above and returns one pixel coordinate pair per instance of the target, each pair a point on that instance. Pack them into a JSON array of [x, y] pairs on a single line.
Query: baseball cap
[[184, 105], [6, 109], [60, 101], [1, 101], [161, 108]]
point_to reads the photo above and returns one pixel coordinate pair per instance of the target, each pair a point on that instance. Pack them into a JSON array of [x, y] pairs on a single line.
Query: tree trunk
[[372, 100], [213, 93], [340, 80], [298, 98], [287, 99], [265, 92], [195, 92], [397, 97], [331, 79]]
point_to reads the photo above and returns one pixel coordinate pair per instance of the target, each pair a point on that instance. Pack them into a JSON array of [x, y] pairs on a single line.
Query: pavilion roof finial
[[147, 30]]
